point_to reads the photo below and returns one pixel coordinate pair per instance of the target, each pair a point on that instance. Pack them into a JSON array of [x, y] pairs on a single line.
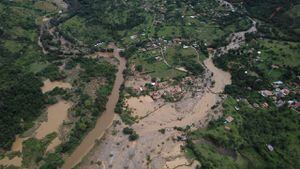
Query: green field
[[278, 53], [156, 68]]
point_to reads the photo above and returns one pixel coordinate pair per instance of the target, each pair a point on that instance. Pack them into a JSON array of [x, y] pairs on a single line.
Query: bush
[[134, 136], [162, 131], [139, 68], [128, 131]]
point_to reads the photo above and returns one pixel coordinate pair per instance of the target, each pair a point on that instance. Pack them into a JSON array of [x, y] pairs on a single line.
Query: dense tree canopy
[[21, 100]]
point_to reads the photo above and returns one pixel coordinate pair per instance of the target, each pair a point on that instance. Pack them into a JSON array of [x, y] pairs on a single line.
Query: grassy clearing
[[13, 46], [45, 6], [76, 27], [173, 53], [157, 69], [207, 151], [219, 161], [37, 67], [21, 32], [31, 55]]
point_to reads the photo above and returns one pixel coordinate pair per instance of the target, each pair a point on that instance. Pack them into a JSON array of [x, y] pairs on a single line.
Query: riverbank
[[103, 122]]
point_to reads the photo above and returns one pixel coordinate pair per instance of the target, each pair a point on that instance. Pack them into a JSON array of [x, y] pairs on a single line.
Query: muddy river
[[103, 122]]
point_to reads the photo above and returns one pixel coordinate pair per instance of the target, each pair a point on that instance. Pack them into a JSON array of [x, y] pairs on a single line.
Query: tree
[[134, 136], [128, 131], [139, 67]]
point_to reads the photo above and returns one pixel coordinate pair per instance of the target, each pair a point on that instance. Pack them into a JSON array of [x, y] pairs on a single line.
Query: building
[[229, 119], [265, 105], [278, 83], [270, 147], [266, 93], [296, 105]]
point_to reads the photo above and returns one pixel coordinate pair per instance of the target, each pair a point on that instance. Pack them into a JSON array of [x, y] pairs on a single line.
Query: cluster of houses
[[278, 95], [158, 90], [171, 91]]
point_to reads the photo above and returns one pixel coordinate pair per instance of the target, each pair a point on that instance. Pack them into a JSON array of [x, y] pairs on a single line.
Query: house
[[280, 103], [265, 105], [176, 89], [229, 119], [156, 95], [280, 94], [255, 105], [296, 105], [266, 93], [236, 108], [285, 91], [227, 128], [270, 147], [185, 47], [181, 138], [210, 50], [132, 67], [278, 83], [275, 66], [177, 40], [291, 102]]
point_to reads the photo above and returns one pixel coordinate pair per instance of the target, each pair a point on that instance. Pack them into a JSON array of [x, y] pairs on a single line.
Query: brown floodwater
[[17, 146], [48, 85], [56, 114], [104, 121], [16, 161], [220, 77], [209, 99], [53, 144]]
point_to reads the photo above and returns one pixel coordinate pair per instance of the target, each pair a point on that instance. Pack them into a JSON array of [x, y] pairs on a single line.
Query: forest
[[21, 99]]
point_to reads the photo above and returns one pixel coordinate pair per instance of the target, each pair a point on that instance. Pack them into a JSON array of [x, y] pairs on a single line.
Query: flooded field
[[16, 161], [53, 144], [48, 85], [56, 114], [17, 146], [141, 106]]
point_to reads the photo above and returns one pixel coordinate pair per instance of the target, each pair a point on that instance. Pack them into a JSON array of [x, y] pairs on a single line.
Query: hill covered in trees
[[21, 99], [281, 17]]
